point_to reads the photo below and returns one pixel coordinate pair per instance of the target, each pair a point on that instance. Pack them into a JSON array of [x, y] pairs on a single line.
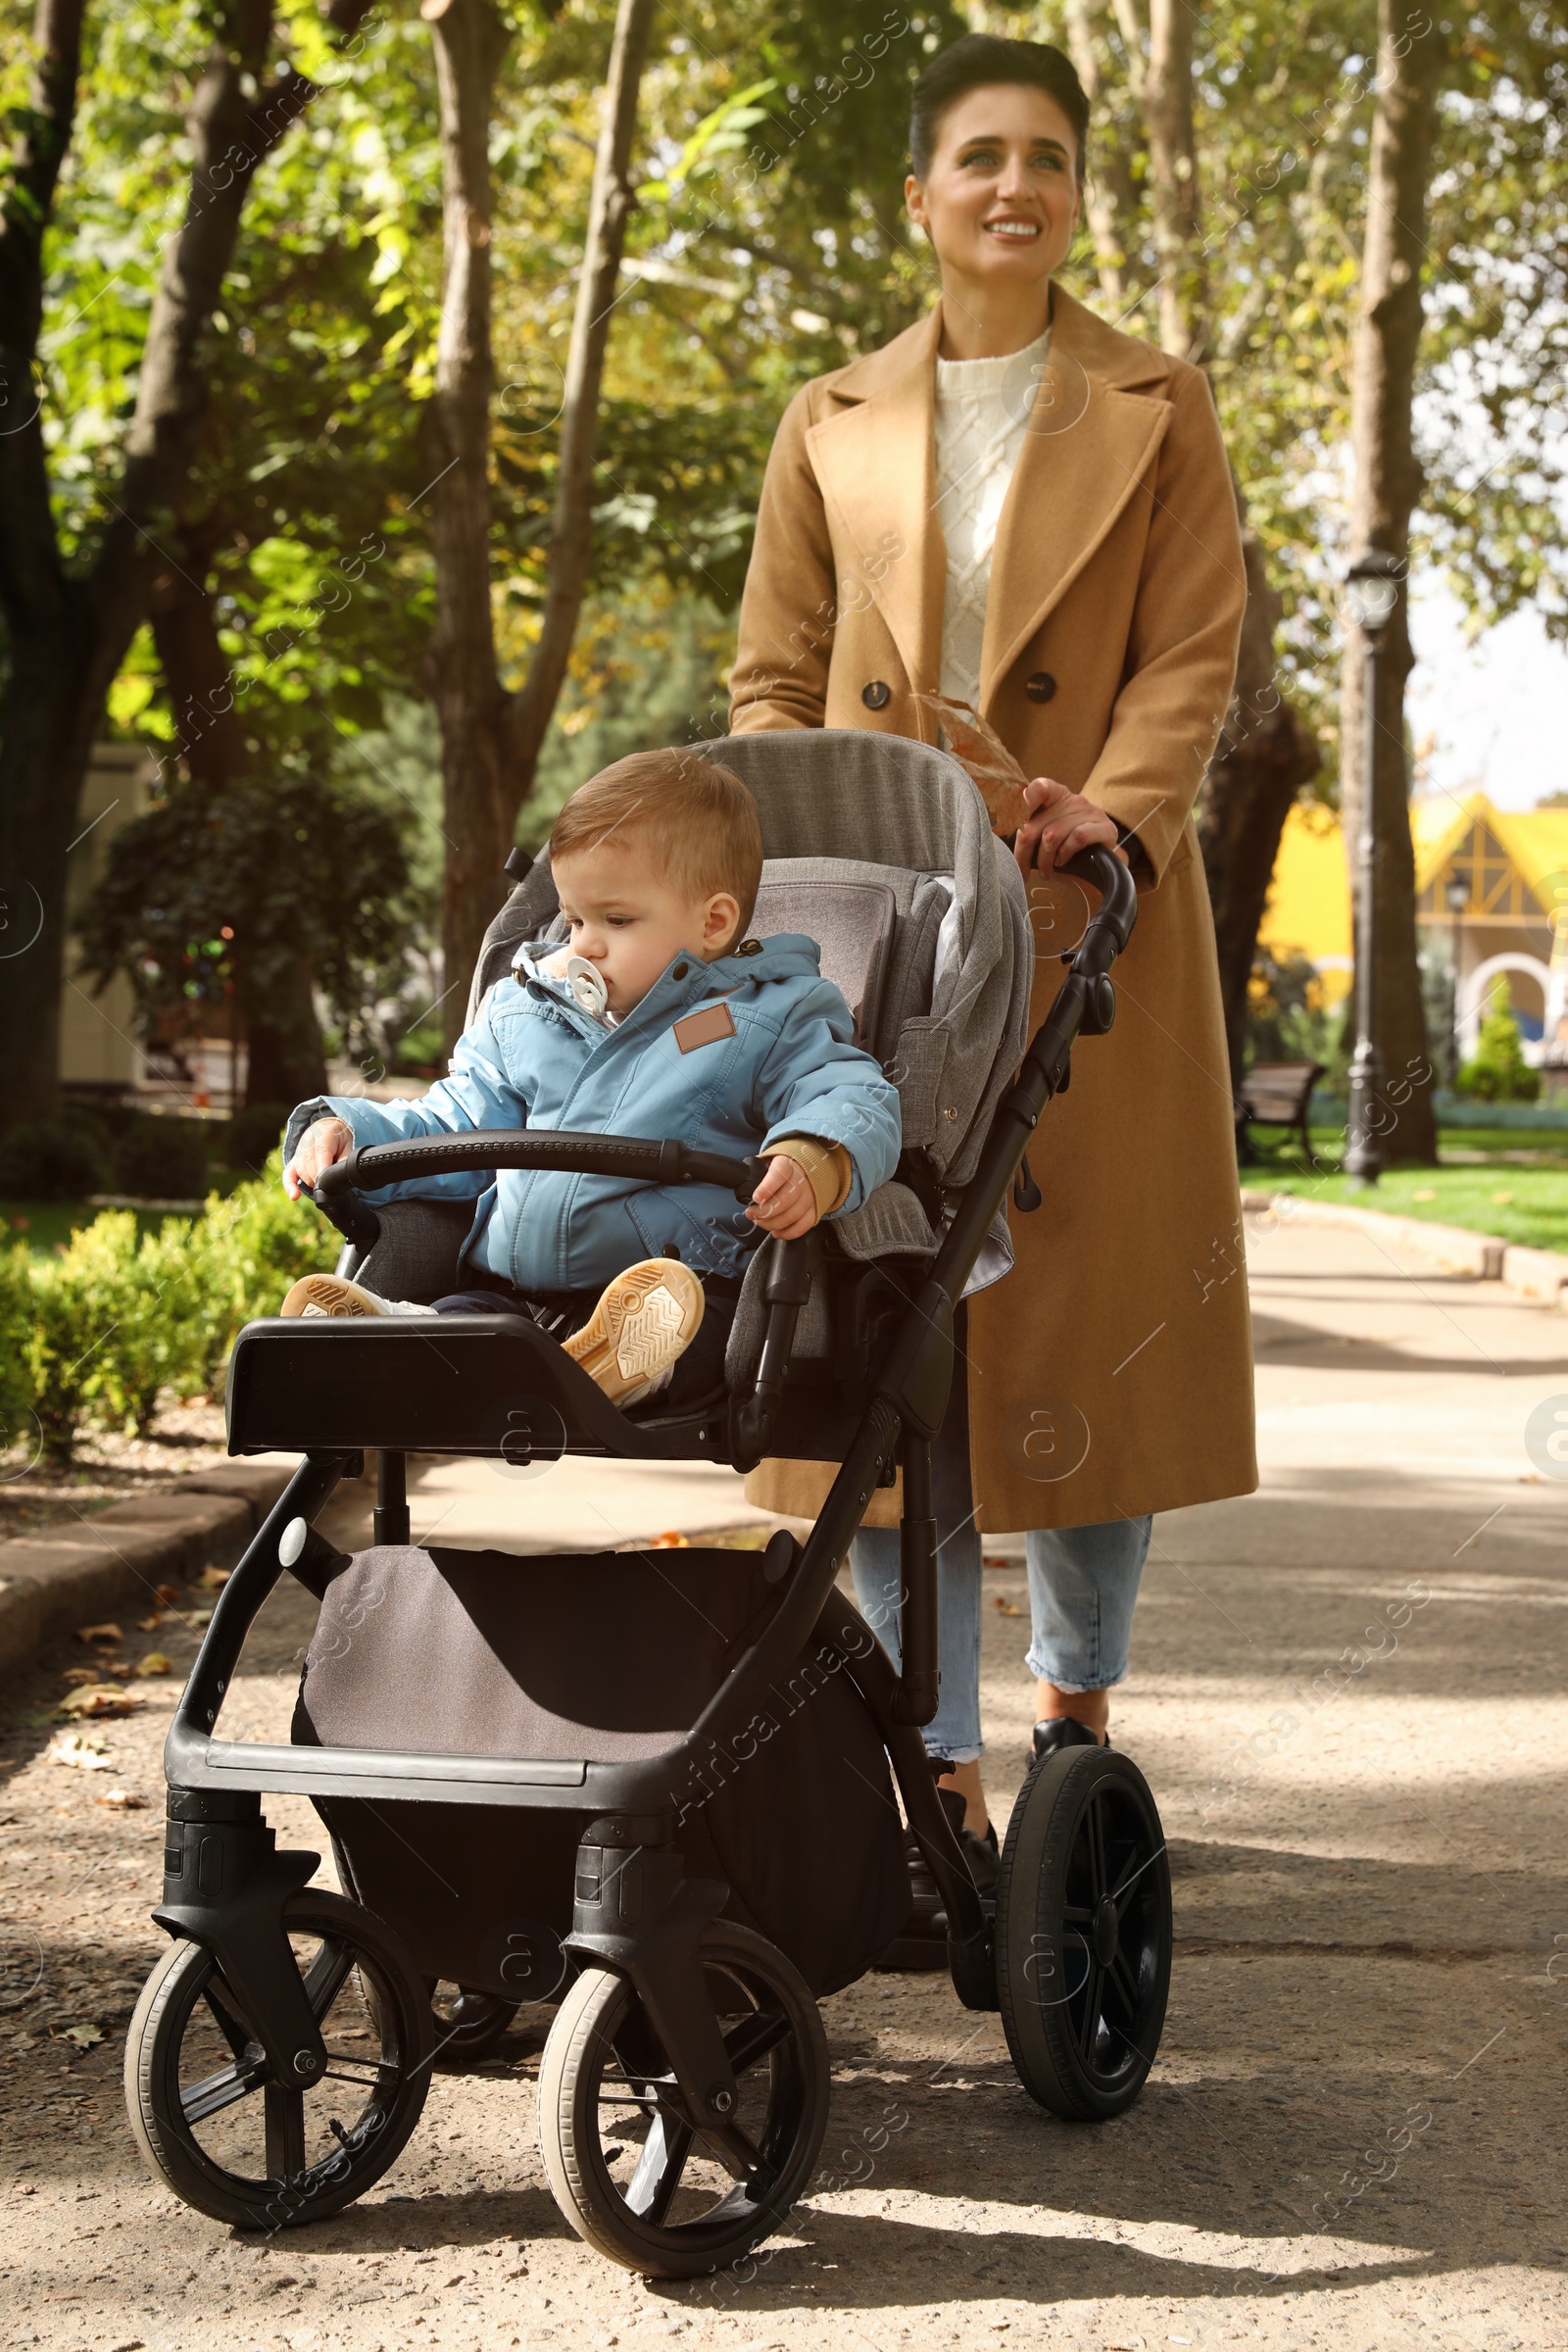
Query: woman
[[1017, 505]]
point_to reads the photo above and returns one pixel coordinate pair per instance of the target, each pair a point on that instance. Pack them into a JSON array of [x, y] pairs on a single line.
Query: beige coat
[[1110, 1373]]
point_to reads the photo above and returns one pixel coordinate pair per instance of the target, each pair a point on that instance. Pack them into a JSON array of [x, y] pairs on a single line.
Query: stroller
[[652, 1788]]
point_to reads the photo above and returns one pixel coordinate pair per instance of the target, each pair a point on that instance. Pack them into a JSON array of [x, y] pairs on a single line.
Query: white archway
[[1478, 988]]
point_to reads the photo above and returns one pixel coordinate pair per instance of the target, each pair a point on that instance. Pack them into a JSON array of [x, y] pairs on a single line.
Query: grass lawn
[[46, 1225], [1506, 1181]]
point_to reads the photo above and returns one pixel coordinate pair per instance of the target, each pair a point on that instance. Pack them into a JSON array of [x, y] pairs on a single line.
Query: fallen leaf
[[144, 1625], [99, 1698], [156, 1661], [167, 1595], [98, 1632], [1502, 1199], [1426, 1194], [1009, 1608], [84, 2036], [79, 1674], [977, 747], [212, 1580], [122, 1800], [83, 1750], [670, 1541]]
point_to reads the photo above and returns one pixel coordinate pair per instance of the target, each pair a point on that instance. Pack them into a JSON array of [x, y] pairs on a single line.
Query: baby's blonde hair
[[695, 819]]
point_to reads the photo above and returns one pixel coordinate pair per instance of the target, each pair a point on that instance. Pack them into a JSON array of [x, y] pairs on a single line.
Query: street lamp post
[[1457, 890], [1371, 596]]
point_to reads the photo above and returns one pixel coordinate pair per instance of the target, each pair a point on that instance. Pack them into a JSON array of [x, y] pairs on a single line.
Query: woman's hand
[[1058, 825], [784, 1203], [319, 1146]]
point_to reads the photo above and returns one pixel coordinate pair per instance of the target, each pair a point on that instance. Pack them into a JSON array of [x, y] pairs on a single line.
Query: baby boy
[[659, 1018]]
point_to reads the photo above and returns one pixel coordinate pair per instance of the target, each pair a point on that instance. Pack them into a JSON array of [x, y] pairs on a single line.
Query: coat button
[[876, 696], [1041, 687]]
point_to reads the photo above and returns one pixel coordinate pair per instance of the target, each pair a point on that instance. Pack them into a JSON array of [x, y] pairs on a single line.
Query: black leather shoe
[[1064, 1731], [922, 1943]]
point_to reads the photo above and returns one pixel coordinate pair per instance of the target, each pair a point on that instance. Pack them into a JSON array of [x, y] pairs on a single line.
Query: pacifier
[[587, 984]]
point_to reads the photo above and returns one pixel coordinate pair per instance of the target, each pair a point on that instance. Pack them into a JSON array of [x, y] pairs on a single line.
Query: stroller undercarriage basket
[[654, 1789]]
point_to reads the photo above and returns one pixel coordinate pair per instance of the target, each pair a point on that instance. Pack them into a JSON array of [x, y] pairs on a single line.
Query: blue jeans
[[1083, 1583]]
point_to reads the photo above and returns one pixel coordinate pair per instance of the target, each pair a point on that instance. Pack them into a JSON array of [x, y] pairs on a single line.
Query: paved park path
[[1350, 1694]]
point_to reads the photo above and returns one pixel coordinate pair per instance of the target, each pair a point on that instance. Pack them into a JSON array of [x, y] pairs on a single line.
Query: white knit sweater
[[982, 408]]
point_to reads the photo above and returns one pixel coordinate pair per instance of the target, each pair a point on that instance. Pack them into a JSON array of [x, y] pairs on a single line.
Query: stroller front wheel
[[629, 2172], [212, 2122], [1083, 1932]]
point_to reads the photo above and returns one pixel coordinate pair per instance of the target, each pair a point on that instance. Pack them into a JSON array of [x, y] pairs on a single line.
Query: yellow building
[[1492, 885]]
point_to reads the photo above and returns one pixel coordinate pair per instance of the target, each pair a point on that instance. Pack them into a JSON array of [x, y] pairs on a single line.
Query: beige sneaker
[[645, 1322], [330, 1295]]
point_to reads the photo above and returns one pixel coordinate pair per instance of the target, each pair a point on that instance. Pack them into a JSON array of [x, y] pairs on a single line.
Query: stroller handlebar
[[640, 1158], [1113, 918]]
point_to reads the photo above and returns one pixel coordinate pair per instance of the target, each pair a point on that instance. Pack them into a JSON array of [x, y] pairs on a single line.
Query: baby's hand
[[319, 1146], [784, 1203]]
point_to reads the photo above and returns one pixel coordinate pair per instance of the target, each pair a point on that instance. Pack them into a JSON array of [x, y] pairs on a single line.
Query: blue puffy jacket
[[534, 1059]]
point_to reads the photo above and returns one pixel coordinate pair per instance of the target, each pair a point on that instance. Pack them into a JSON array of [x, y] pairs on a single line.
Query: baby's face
[[631, 920]]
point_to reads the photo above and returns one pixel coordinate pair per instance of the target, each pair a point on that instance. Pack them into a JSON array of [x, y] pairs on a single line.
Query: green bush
[[104, 1329], [247, 1251], [162, 1159], [72, 1309], [1499, 1072], [51, 1160], [16, 1322], [155, 1340]]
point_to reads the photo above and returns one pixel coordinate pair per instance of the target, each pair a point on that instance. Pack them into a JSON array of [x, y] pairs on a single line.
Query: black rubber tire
[[362, 1987], [468, 2026], [1082, 1989], [602, 2033]]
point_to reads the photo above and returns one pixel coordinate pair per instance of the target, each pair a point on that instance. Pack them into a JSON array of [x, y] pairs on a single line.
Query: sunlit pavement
[[1351, 1695]]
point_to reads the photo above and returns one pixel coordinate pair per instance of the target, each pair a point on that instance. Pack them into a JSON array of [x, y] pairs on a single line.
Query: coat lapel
[[1089, 442], [876, 464]]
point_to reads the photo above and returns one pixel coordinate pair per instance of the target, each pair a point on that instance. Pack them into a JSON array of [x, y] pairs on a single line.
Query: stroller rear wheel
[[629, 2172], [209, 2117], [1083, 1934]]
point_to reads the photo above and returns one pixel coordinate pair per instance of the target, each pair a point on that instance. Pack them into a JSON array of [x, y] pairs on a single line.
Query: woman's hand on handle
[[320, 1146], [1058, 825]]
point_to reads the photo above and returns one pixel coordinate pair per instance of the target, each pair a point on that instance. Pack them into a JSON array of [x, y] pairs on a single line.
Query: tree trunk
[[1264, 756], [490, 739], [1388, 483], [1108, 195], [68, 637], [1173, 179], [284, 1062], [1264, 753]]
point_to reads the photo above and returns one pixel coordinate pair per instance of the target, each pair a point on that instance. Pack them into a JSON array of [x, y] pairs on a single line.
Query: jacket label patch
[[704, 1028]]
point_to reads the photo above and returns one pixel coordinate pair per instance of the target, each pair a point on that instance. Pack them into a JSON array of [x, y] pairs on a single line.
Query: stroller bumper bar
[[639, 1160]]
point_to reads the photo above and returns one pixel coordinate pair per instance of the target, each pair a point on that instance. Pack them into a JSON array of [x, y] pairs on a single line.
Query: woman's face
[[1000, 201]]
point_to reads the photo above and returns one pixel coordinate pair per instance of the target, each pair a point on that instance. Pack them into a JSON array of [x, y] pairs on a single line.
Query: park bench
[[1276, 1094]]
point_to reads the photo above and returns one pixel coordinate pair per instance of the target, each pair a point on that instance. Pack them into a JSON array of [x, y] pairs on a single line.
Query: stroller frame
[[505, 1389]]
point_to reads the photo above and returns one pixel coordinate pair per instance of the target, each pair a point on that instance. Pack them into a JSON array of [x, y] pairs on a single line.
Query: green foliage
[[251, 1134], [238, 888], [51, 1160], [1287, 1018], [248, 1249], [71, 1311], [1499, 1071], [100, 1332], [162, 1159]]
